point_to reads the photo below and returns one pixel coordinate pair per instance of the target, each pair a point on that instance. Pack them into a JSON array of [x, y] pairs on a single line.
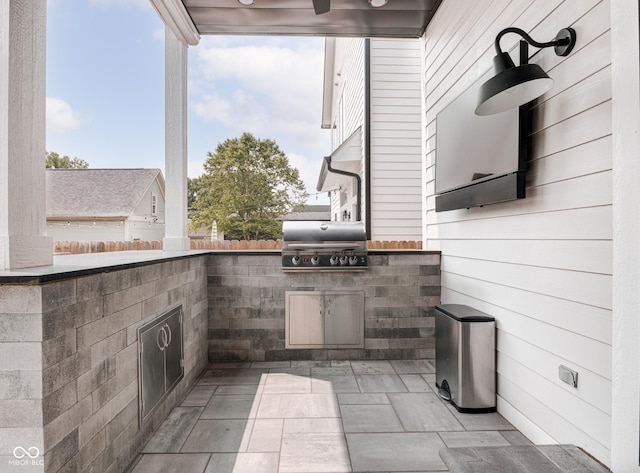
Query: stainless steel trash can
[[466, 357]]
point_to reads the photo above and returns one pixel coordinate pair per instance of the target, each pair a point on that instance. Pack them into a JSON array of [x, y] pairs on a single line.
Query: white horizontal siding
[[396, 140], [583, 319], [349, 68], [542, 265]]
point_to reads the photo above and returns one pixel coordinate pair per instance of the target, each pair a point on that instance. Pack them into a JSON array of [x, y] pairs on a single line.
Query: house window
[[154, 204]]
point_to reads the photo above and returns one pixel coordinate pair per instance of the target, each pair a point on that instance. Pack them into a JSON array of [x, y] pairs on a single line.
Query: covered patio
[[559, 269]]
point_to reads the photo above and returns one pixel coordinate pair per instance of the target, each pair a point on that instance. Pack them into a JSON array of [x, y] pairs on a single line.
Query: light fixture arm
[[563, 43]]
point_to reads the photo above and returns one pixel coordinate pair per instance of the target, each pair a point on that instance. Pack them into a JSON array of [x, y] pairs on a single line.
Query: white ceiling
[[398, 18]]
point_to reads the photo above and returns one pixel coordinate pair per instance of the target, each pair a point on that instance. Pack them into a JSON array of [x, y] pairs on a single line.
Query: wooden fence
[[78, 247]]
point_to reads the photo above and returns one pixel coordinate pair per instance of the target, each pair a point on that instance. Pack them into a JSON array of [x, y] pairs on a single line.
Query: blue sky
[[105, 89]]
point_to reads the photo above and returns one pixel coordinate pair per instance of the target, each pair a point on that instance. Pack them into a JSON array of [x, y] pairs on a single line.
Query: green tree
[[247, 185], [54, 161], [193, 187]]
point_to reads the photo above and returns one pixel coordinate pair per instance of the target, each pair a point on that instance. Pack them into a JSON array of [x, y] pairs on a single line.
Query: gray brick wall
[[246, 295], [68, 351]]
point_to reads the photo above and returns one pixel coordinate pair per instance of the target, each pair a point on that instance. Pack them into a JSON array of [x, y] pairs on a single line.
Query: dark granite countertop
[[66, 266]]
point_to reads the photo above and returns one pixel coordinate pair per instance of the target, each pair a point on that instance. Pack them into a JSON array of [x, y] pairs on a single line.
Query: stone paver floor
[[317, 417]]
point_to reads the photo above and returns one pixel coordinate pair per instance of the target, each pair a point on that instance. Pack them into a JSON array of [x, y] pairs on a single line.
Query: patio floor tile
[[199, 395], [423, 412], [415, 383], [413, 366], [395, 452], [174, 430], [266, 435], [284, 383], [363, 398], [370, 418], [372, 367], [380, 383], [230, 376], [317, 417], [243, 463], [167, 463], [222, 436], [229, 407], [284, 406], [237, 389], [334, 384], [474, 439], [313, 426], [314, 453]]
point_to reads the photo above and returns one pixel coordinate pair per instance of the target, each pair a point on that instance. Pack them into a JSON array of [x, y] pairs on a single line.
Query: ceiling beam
[[175, 16]]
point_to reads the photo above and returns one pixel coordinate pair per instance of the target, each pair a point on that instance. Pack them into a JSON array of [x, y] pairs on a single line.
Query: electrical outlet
[[568, 376]]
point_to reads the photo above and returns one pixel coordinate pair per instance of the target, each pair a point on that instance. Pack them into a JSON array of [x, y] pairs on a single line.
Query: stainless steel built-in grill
[[324, 246]]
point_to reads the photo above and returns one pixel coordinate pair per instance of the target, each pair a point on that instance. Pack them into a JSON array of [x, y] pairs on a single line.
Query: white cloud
[[195, 168], [61, 117], [268, 86], [213, 107], [275, 85], [309, 170]]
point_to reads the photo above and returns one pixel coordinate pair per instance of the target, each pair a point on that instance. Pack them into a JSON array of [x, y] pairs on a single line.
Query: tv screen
[[479, 160]]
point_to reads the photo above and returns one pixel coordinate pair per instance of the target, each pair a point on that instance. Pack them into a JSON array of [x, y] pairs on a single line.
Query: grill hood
[[319, 232]]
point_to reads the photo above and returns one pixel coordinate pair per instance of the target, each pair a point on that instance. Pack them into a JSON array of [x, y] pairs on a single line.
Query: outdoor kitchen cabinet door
[[160, 364], [305, 323], [343, 325], [324, 319]]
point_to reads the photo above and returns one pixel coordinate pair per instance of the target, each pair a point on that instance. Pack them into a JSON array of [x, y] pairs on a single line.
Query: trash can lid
[[464, 313]]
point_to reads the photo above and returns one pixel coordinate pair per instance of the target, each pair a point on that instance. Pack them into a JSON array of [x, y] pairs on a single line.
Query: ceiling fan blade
[[321, 6]]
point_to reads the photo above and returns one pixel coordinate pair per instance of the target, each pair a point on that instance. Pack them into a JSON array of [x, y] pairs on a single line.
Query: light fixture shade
[[378, 3], [246, 2], [511, 86]]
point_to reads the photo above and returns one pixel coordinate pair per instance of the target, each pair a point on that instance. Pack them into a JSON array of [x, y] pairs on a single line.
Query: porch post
[[625, 405], [176, 232], [23, 242]]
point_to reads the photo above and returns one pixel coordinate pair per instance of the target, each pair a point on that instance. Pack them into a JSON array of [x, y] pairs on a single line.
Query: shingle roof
[[96, 192], [311, 212]]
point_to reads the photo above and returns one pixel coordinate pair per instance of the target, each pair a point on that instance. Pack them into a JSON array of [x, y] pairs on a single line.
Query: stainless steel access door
[[160, 359], [324, 319]]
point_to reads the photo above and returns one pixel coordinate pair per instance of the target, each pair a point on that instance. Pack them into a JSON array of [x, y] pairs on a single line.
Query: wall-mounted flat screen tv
[[479, 160]]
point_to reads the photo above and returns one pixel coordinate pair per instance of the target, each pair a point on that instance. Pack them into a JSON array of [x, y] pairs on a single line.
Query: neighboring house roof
[[311, 212], [97, 192]]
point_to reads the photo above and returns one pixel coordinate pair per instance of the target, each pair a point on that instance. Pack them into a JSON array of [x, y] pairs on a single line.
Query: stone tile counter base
[[247, 306], [68, 364], [69, 382]]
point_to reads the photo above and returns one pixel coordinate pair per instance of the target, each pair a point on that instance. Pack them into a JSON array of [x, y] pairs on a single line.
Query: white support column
[[625, 409], [176, 231], [23, 242]]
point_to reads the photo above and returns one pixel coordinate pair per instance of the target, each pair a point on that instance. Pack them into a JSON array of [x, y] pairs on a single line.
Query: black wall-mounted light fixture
[[514, 86]]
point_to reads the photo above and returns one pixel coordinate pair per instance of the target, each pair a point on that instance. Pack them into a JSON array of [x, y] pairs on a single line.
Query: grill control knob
[[353, 260], [315, 260], [295, 260], [344, 260], [333, 260]]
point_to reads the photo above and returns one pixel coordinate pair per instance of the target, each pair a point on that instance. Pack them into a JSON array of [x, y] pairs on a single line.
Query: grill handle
[[325, 245]]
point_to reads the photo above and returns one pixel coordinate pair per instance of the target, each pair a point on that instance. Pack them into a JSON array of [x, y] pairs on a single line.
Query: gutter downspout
[[367, 134], [327, 160]]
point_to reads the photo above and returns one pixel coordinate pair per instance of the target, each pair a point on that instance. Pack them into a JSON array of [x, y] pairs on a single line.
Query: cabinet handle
[[170, 334], [162, 339]]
